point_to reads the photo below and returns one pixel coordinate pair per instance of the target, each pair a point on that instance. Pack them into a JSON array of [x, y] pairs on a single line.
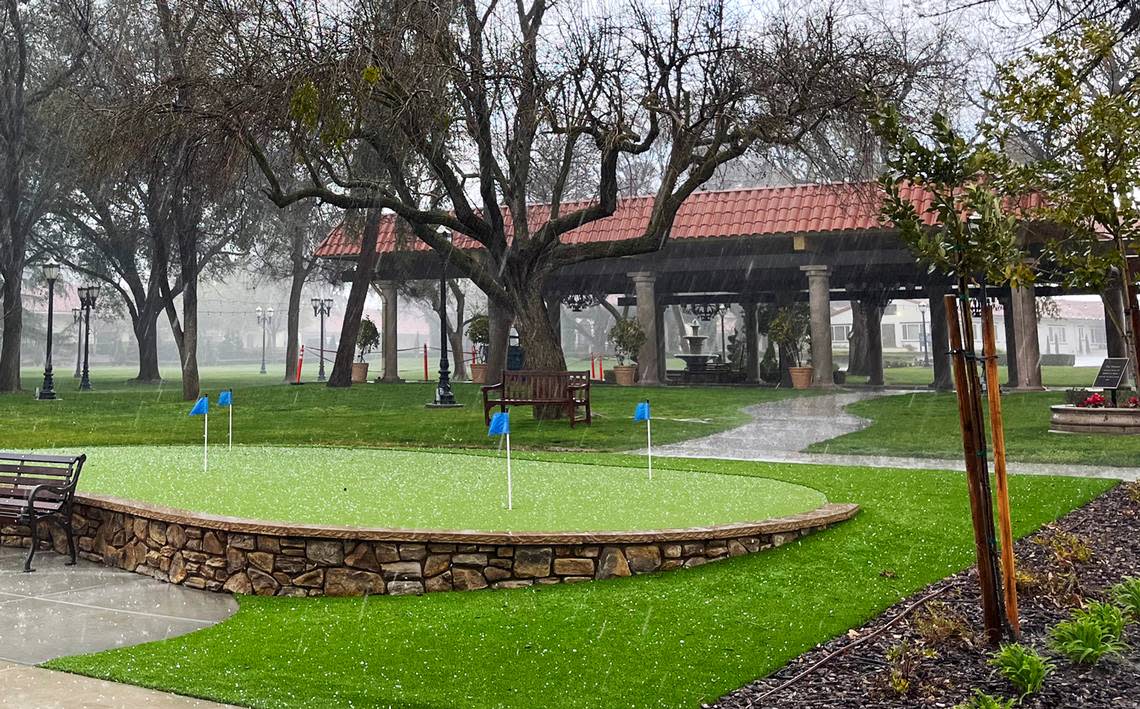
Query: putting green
[[432, 490]]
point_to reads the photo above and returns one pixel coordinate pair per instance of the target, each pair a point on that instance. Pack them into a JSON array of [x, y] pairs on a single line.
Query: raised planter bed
[[1103, 420]]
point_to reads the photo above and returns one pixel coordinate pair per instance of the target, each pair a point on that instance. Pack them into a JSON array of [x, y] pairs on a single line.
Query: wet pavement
[[61, 610], [780, 430]]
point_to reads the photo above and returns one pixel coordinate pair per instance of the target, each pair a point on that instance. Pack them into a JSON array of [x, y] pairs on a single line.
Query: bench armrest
[[491, 387], [64, 491]]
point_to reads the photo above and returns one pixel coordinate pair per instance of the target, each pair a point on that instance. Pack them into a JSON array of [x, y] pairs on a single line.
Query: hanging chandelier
[[580, 301]]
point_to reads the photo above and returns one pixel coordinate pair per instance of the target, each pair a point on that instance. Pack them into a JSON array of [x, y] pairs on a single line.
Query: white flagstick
[[510, 501], [205, 442], [649, 443], [231, 440]]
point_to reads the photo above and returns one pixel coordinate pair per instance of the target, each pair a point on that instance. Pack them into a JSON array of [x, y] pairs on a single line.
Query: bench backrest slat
[[20, 472], [535, 384]]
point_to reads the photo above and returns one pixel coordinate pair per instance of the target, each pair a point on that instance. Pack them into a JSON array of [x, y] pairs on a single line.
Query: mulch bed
[[1052, 586]]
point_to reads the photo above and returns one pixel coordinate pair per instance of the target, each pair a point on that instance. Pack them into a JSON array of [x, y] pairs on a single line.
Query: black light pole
[[322, 307], [51, 272], [925, 350], [77, 317], [263, 319], [444, 398], [87, 297]]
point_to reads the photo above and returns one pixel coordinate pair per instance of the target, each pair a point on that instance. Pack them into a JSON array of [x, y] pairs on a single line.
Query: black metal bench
[[567, 391], [38, 487]]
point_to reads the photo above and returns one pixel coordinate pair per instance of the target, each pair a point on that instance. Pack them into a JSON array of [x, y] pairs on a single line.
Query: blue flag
[[225, 398], [201, 406], [500, 424], [641, 413]]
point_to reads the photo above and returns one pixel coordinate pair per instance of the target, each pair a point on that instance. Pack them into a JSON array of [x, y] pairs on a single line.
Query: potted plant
[[628, 337], [479, 332], [790, 329], [367, 340]]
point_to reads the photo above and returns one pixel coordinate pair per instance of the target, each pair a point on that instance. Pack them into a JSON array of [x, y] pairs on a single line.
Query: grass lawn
[[926, 426], [426, 490], [922, 376], [670, 639], [266, 411]]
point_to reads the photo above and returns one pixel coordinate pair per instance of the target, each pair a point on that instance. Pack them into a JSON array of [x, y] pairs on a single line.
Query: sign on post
[[1112, 373]]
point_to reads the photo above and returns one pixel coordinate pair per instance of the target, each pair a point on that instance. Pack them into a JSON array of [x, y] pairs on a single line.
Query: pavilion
[[814, 242]]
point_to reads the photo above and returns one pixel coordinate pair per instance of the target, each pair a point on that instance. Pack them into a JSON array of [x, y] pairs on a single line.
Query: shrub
[[939, 624], [981, 700], [1067, 547], [791, 330], [904, 661], [367, 338], [1089, 636], [479, 332], [1022, 666], [1127, 595], [628, 337], [1107, 616]]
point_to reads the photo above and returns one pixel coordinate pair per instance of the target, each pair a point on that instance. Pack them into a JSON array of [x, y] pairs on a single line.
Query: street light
[[87, 298], [922, 337], [444, 398], [51, 272], [322, 307], [263, 319], [77, 319]]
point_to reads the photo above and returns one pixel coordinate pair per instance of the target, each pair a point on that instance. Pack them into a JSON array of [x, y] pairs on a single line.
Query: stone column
[[390, 327], [939, 339], [1114, 322], [648, 315], [1010, 341], [751, 344], [1026, 346], [819, 295]]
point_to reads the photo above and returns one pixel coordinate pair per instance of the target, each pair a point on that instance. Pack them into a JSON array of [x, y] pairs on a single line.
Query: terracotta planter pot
[[801, 377], [479, 373], [359, 372], [625, 375]]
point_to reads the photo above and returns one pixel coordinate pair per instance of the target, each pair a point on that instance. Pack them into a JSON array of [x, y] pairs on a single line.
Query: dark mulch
[[1109, 526]]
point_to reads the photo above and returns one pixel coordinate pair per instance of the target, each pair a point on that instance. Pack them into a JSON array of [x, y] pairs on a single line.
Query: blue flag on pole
[[641, 413], [202, 406], [225, 398], [500, 424]]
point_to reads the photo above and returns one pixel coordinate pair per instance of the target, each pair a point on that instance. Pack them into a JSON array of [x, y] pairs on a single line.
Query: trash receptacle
[[516, 358]]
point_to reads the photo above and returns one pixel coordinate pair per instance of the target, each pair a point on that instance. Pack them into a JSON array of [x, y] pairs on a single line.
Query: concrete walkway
[[780, 430], [61, 610]]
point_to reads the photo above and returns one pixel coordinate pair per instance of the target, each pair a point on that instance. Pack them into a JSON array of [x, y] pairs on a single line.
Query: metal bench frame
[[37, 487]]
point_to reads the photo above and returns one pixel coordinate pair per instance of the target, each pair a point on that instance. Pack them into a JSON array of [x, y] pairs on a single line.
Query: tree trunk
[[145, 328], [455, 334], [293, 321], [13, 331], [191, 382], [341, 375], [873, 337], [501, 320], [539, 342], [857, 342]]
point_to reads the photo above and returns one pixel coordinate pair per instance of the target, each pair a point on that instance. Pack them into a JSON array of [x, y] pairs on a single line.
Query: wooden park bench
[[38, 487], [569, 391]]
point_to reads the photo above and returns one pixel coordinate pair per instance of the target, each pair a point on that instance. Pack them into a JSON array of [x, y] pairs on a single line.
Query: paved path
[[63, 610], [780, 430]]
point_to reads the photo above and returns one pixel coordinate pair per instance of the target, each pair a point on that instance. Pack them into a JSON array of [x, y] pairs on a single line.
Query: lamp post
[[721, 310], [322, 307], [77, 318], [51, 273], [444, 398], [87, 297], [264, 317], [922, 335]]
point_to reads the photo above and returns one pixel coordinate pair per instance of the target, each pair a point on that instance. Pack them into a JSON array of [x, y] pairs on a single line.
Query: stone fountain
[[696, 360]]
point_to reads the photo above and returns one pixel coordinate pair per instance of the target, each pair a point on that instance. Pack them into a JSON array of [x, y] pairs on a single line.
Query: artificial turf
[[121, 413], [669, 639], [926, 426], [433, 490]]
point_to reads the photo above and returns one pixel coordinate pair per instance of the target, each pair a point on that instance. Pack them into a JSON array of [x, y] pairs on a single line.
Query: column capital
[[643, 276], [386, 285], [816, 270]]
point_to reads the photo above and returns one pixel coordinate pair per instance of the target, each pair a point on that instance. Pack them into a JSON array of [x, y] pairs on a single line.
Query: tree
[[1078, 100], [455, 96], [43, 44]]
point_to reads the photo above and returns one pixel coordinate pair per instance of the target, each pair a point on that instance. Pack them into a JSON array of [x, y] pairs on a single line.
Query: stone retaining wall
[[242, 556]]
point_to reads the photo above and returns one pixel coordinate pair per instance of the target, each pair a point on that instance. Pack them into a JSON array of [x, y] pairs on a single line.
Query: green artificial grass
[[926, 426], [1052, 376], [268, 412], [426, 490], [662, 640]]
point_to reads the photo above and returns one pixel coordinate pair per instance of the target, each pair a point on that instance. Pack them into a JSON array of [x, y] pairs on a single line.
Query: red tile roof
[[757, 211]]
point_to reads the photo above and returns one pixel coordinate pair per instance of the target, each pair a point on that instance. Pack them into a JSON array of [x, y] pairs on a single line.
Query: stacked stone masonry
[[240, 556]]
